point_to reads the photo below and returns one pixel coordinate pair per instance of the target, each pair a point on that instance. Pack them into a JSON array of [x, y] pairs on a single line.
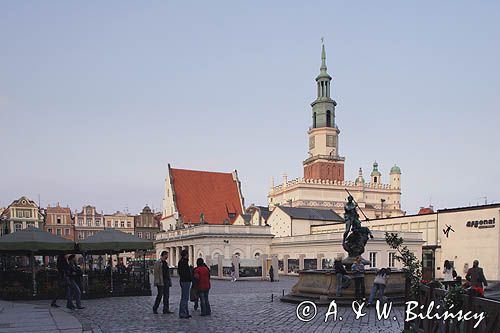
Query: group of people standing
[[358, 275], [70, 280], [474, 277], [194, 283]]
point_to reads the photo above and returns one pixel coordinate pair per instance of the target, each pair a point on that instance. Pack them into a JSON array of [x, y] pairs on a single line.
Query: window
[[129, 224], [58, 220], [58, 231], [147, 235], [30, 225], [18, 226], [139, 234], [97, 222], [109, 224], [49, 230], [26, 213], [314, 119], [116, 224], [81, 235], [375, 179], [122, 224], [328, 118], [392, 259], [373, 259], [80, 221], [89, 221], [66, 232]]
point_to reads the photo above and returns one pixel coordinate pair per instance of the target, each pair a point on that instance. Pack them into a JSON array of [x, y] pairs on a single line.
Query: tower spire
[[323, 58]]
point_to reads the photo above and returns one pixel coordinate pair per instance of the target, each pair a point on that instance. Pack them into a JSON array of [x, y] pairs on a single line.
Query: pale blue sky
[[96, 98]]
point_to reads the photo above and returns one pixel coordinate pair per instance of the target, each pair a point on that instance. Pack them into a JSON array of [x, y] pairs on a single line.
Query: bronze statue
[[355, 236]]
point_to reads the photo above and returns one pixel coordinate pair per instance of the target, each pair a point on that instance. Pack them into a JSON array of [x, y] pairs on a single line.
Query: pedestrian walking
[[358, 270], [74, 277], [202, 276], [271, 273], [62, 273], [233, 273], [343, 280], [163, 282], [379, 284], [185, 280]]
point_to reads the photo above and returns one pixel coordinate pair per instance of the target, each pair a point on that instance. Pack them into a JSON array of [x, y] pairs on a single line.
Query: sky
[[97, 98]]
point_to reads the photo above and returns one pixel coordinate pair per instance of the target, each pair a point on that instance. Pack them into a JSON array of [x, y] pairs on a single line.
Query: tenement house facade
[[88, 222], [21, 214], [59, 221]]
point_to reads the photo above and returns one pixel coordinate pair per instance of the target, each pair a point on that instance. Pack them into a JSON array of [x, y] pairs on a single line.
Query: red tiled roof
[[215, 194], [426, 210]]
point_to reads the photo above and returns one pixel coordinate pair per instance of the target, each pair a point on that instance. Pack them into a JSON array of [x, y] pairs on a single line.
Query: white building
[[474, 235]]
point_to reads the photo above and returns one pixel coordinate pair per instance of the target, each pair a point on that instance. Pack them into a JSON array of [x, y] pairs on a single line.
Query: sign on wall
[[481, 224]]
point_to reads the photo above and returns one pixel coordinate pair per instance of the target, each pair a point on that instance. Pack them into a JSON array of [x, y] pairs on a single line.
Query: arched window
[[328, 118], [314, 120]]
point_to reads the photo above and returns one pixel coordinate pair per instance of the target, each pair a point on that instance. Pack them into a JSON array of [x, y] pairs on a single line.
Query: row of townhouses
[[75, 225]]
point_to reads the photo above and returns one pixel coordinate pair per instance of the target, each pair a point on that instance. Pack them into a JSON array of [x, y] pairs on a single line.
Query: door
[[428, 263]]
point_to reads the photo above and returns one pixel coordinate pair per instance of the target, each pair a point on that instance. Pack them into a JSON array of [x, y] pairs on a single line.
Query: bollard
[[283, 292], [272, 298]]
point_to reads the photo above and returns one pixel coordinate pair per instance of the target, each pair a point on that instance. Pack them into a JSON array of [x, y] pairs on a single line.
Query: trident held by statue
[[366, 217]]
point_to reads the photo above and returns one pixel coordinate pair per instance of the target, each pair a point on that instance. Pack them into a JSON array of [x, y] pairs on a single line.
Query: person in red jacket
[[202, 275]]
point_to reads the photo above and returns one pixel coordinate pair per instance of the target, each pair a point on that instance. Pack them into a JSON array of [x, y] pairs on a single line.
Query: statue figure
[[355, 236], [202, 218]]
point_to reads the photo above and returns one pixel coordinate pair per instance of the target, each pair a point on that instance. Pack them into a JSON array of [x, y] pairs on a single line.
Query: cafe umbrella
[[33, 241], [112, 241]]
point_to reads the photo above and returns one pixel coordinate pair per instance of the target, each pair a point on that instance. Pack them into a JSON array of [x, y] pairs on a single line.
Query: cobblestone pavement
[[22, 318], [243, 306]]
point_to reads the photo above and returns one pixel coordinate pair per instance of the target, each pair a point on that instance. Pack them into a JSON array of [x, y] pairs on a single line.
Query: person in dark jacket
[[202, 275], [271, 273], [343, 280], [162, 281], [75, 276], [475, 277], [185, 280], [62, 273]]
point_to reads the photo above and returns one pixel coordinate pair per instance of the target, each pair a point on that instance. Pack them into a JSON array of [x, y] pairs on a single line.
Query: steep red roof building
[[190, 193]]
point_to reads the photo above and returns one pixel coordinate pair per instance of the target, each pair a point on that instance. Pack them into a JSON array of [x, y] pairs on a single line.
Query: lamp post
[[382, 208]]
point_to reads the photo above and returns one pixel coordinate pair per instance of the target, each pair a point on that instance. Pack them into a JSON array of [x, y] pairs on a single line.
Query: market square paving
[[243, 306]]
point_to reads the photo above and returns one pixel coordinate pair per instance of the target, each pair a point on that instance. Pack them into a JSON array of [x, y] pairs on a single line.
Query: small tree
[[411, 265]]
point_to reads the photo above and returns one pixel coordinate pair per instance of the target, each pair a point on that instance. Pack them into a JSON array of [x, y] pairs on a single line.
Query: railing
[[476, 305], [345, 183]]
